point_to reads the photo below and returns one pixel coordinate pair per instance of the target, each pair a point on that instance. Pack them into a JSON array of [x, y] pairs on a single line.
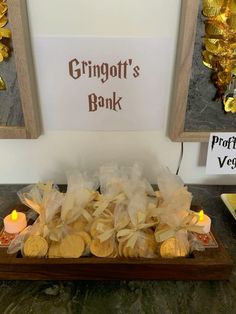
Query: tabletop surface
[[130, 296]]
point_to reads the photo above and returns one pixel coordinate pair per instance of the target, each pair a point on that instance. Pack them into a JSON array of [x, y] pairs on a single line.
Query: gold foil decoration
[[2, 84], [230, 104], [219, 52], [229, 98], [212, 8], [5, 33]]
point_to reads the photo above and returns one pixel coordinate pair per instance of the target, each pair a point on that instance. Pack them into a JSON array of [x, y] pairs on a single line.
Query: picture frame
[[194, 113], [28, 108]]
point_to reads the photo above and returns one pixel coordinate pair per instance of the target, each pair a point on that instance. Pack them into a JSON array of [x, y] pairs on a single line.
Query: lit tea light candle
[[204, 221], [15, 222]]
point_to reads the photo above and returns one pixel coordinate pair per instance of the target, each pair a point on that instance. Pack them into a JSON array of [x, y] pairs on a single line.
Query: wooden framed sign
[[194, 113], [19, 112], [103, 83]]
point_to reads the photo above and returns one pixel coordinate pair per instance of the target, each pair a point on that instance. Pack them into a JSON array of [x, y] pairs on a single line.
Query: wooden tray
[[212, 264]]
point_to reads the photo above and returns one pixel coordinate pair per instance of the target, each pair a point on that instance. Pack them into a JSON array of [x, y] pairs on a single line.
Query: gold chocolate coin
[[79, 224], [169, 249], [72, 246], [147, 246], [101, 249], [87, 241], [35, 246], [54, 250], [99, 226]]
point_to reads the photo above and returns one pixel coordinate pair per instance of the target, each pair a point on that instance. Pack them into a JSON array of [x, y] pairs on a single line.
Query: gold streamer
[[2, 84], [219, 53], [189, 223], [5, 33], [230, 104]]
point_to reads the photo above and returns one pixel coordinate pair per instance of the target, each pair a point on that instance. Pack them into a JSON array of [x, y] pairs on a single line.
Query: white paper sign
[[221, 157], [103, 83]]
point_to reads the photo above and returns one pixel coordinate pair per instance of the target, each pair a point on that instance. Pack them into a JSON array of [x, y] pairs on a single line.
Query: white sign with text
[[221, 157], [103, 83]]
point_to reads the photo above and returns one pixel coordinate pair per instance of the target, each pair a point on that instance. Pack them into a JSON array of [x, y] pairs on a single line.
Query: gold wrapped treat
[[35, 246], [170, 249]]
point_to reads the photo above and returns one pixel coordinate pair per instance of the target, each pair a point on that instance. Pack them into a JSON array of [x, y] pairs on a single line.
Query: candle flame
[[14, 215], [201, 215]]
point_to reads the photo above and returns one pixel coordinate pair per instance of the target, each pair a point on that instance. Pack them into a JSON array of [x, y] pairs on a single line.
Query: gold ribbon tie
[[189, 223]]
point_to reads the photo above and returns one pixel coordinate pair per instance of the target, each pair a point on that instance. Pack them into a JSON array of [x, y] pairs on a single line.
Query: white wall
[[26, 161]]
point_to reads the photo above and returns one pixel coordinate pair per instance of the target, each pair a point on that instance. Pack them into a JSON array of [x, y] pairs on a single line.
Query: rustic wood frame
[[187, 32], [17, 13]]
